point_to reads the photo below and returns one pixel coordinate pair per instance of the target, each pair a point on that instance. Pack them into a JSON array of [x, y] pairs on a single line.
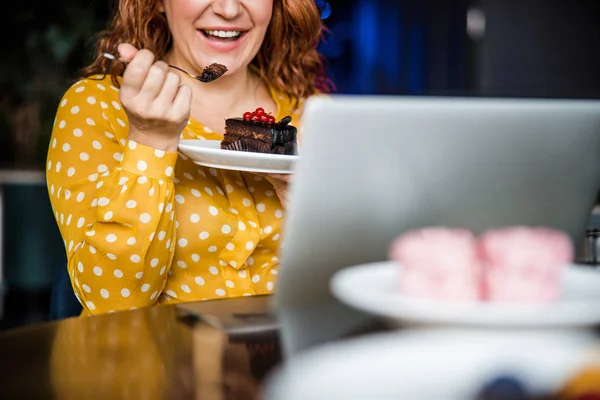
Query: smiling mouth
[[226, 36]]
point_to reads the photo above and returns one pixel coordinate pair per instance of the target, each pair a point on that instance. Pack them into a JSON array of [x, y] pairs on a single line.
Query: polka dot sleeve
[[113, 201]]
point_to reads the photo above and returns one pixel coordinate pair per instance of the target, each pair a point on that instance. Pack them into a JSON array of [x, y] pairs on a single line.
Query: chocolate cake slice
[[257, 132]]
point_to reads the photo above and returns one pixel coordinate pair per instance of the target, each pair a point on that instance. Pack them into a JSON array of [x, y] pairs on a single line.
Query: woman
[[141, 223]]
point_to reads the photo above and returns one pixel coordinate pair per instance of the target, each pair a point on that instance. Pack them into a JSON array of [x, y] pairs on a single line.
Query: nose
[[227, 9]]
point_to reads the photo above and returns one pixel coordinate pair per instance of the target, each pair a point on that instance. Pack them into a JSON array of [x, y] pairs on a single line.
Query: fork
[[210, 73]]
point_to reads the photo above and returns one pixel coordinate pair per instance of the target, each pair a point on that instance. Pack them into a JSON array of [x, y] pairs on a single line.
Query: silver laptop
[[374, 167]]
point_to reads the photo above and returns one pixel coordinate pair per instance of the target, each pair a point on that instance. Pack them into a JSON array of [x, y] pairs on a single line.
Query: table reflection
[[153, 353], [129, 355]]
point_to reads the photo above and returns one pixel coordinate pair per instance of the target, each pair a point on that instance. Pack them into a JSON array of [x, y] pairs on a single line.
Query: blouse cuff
[[144, 160]]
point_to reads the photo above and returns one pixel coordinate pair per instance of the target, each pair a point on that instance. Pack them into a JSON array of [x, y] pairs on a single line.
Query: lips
[[222, 34], [223, 39]]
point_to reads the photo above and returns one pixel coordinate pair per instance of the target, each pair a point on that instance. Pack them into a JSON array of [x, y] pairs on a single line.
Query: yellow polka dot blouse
[[143, 226]]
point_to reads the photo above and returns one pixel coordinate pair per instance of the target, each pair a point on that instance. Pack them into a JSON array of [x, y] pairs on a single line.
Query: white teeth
[[223, 34]]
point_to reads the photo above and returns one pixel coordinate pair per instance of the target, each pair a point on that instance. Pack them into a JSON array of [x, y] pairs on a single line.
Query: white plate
[[374, 288], [435, 364], [208, 153]]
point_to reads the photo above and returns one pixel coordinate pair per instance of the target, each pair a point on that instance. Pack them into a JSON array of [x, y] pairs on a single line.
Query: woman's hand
[[156, 103], [280, 184]]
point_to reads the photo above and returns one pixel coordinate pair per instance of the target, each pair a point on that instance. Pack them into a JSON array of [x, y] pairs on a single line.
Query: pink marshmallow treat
[[439, 264], [524, 265]]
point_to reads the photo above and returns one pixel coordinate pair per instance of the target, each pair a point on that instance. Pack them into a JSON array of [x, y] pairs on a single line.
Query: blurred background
[[500, 48]]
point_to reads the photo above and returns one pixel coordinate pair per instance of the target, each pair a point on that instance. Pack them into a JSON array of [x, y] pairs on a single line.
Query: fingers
[[280, 184], [153, 84], [169, 90], [126, 52], [287, 178], [175, 97], [182, 104], [282, 194], [136, 73]]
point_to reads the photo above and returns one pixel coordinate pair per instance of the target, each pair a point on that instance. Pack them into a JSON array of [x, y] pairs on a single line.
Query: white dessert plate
[[208, 153], [432, 364], [374, 288]]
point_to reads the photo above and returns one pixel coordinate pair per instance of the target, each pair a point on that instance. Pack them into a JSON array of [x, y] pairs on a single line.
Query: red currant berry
[[260, 111], [247, 116], [264, 119], [255, 118], [271, 119]]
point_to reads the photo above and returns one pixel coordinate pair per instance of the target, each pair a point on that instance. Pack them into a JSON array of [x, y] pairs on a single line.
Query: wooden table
[[153, 353]]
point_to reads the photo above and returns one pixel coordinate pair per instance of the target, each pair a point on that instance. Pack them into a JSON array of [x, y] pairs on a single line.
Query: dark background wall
[[540, 48]]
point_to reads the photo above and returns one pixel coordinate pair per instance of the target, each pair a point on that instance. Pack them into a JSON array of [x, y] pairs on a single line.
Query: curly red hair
[[287, 61]]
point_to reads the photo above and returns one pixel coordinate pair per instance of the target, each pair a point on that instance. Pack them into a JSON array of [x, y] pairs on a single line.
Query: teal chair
[[34, 248]]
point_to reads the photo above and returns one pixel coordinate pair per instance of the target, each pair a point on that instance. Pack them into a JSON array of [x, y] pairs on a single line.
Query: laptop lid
[[372, 167]]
